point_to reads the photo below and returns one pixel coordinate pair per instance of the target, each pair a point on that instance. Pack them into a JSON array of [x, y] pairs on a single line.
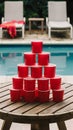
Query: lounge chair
[[13, 13], [57, 18]]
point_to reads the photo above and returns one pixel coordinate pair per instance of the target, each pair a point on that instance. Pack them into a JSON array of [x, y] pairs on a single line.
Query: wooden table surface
[[33, 113]]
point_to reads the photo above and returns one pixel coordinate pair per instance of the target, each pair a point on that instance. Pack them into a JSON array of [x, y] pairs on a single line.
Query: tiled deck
[[36, 35], [27, 40]]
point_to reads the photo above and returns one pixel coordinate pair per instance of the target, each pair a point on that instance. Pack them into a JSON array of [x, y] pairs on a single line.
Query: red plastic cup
[[36, 46], [29, 58], [22, 94], [30, 96], [15, 95], [36, 94], [43, 96], [49, 71], [29, 84], [17, 82], [43, 84], [55, 83], [43, 58], [58, 95], [22, 70], [36, 71]]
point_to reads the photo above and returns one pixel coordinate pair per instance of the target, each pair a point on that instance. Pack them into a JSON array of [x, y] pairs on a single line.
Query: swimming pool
[[11, 55]]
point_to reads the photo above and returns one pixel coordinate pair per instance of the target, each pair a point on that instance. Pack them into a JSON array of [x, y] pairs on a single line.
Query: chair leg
[[49, 33], [6, 125], [23, 32], [61, 125], [0, 33], [71, 32]]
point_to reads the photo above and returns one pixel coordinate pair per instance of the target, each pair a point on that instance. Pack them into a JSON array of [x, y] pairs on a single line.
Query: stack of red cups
[[43, 90], [16, 90], [57, 91], [29, 88], [36, 77]]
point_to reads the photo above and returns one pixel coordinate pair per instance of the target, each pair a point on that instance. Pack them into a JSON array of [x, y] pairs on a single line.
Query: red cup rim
[[29, 53], [50, 65], [22, 65], [56, 77], [15, 89], [37, 41], [43, 90], [36, 64], [29, 91], [29, 78], [17, 77], [44, 52], [58, 89], [43, 78]]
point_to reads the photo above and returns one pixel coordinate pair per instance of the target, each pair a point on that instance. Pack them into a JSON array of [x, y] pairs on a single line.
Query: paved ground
[[57, 38]]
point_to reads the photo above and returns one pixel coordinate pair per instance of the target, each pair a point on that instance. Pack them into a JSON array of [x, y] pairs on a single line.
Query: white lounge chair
[[57, 17], [13, 10]]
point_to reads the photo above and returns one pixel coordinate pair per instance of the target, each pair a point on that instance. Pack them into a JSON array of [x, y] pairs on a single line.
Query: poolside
[[36, 35], [27, 40]]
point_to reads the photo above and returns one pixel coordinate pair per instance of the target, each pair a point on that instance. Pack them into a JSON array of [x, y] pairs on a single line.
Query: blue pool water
[[11, 55]]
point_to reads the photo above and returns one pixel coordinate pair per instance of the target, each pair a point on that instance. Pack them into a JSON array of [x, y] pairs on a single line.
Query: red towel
[[12, 31], [10, 26]]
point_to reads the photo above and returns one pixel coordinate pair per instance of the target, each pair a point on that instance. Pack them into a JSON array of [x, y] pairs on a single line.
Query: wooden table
[[37, 114], [36, 20]]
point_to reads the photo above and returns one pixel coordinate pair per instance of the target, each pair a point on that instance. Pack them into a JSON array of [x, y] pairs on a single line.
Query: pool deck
[[27, 40], [36, 35]]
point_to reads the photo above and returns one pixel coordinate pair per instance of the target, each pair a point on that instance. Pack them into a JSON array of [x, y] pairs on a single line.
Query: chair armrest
[[2, 20], [47, 24], [46, 20], [24, 19], [68, 19]]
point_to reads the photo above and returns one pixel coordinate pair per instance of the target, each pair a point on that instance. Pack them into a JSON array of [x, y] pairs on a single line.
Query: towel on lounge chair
[[11, 27]]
